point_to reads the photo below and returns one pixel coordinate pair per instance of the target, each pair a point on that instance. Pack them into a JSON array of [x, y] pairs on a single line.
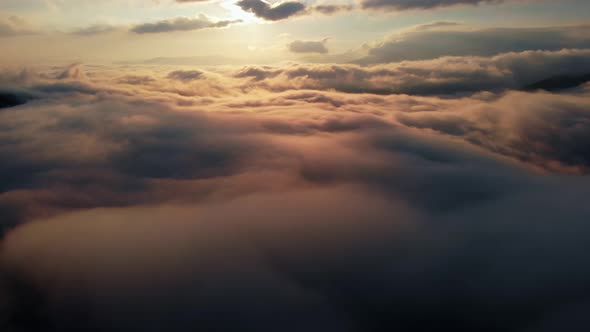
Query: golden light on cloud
[[300, 166]]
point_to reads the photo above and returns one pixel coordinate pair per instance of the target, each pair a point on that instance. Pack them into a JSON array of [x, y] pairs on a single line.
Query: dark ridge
[[11, 99], [557, 83]]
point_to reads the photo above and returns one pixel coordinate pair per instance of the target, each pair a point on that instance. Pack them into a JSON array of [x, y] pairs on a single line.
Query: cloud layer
[[442, 76], [296, 197]]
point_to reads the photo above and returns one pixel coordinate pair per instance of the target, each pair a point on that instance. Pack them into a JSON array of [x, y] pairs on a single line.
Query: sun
[[236, 13]]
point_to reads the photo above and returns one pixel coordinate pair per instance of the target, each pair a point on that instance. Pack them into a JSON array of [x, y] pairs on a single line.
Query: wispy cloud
[[15, 26], [181, 24], [421, 4], [96, 29], [303, 46]]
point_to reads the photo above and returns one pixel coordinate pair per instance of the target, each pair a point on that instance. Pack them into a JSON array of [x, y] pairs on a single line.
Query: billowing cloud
[[279, 261], [181, 24], [447, 75], [303, 46], [539, 133], [421, 4], [271, 199], [415, 201], [272, 13], [136, 79]]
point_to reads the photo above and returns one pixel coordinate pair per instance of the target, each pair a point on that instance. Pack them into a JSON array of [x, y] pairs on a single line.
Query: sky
[[78, 30], [296, 166]]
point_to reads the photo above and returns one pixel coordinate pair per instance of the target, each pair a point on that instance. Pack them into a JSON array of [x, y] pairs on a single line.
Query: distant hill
[[213, 60], [194, 60], [560, 82]]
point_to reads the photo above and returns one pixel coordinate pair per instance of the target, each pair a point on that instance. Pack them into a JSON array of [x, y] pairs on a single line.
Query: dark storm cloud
[[272, 13], [181, 24], [302, 46], [433, 41], [137, 208], [420, 4]]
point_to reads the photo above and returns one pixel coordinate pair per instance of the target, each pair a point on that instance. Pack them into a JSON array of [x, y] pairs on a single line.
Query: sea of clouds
[[411, 196]]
